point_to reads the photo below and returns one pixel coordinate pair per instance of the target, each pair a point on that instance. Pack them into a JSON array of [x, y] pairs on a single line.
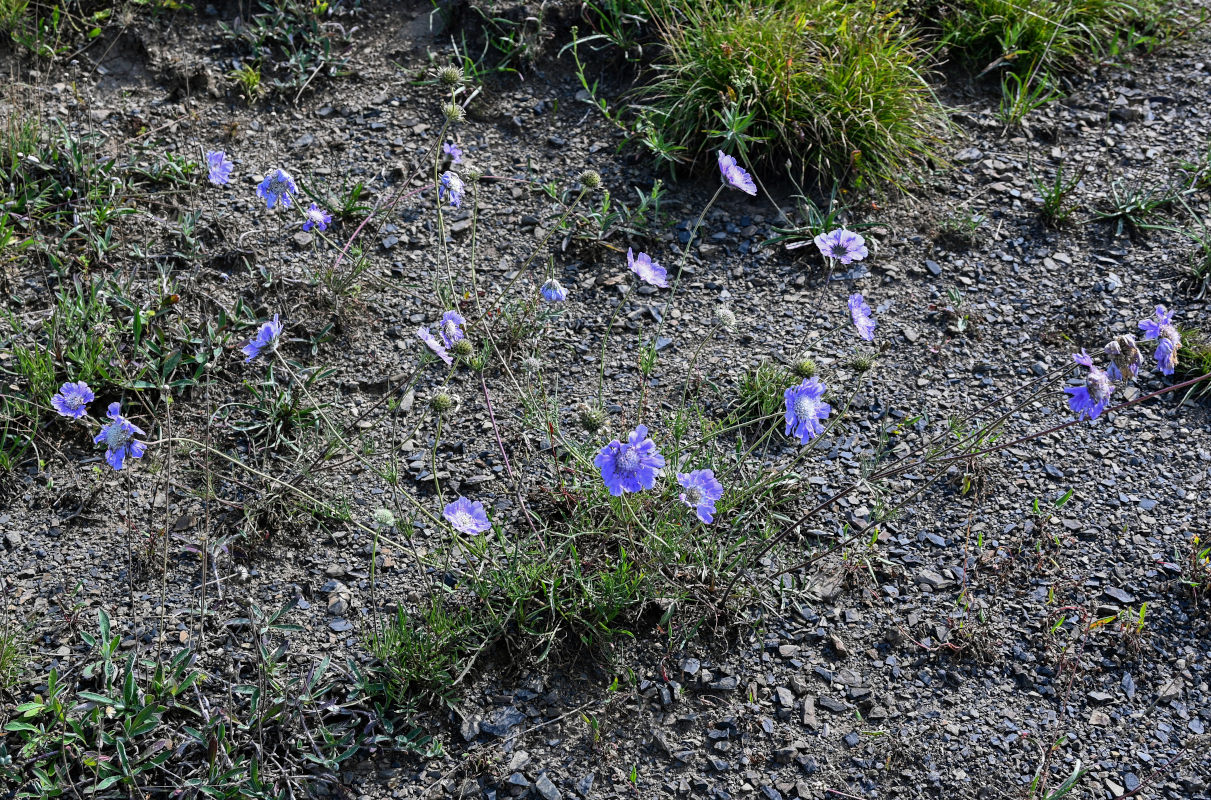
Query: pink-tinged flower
[[434, 345], [860, 312]]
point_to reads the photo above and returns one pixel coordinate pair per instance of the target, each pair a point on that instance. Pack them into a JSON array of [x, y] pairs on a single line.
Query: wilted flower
[[860, 312], [725, 318], [805, 408], [804, 368], [434, 345], [451, 150], [266, 337], [629, 466], [554, 291], [118, 436], [845, 246], [278, 187], [451, 327], [316, 218], [1091, 399], [219, 167], [700, 490], [384, 518], [453, 186], [590, 179], [72, 399], [734, 175], [467, 517], [647, 269], [1124, 357]]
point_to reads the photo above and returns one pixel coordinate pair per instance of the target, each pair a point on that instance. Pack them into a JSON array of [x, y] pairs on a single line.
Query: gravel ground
[[926, 666]]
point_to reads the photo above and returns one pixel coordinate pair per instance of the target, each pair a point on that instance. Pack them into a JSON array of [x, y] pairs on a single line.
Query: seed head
[[473, 174], [725, 318], [441, 402], [453, 112], [592, 418], [384, 518], [590, 179], [804, 368], [530, 364], [462, 348], [449, 76], [861, 363]]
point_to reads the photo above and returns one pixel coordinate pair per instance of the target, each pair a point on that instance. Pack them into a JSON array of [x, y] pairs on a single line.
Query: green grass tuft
[[835, 87]]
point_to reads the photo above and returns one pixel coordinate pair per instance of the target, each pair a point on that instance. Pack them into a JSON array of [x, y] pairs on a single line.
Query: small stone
[[1117, 594], [546, 790], [934, 267]]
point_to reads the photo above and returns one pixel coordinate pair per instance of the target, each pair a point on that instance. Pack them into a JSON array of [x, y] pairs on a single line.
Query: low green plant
[[1022, 95], [1135, 207], [836, 87], [13, 649], [760, 393], [286, 45], [1054, 194]]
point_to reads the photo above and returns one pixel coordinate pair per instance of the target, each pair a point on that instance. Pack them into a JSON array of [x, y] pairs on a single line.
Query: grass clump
[[836, 87], [1055, 35]]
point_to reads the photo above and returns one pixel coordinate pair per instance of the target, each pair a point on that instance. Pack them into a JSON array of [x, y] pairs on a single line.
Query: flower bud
[[592, 418], [462, 348], [449, 76], [384, 518], [804, 368], [590, 179], [441, 402], [453, 112]]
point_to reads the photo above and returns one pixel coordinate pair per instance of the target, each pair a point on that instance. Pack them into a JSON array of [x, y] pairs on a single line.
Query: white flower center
[[74, 400], [450, 330], [693, 495], [463, 519], [628, 459], [805, 407]]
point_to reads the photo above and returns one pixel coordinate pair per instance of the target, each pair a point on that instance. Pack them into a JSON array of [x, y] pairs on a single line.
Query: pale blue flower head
[[266, 338], [845, 246], [451, 185], [629, 466], [451, 150], [805, 409], [467, 517], [553, 291], [278, 187], [1166, 352], [648, 270], [699, 491], [316, 218], [434, 345], [73, 399], [218, 167], [861, 314], [118, 436], [734, 175]]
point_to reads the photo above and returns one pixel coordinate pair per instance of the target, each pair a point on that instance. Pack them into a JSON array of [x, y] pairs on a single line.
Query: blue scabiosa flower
[[266, 338], [118, 436], [700, 490], [72, 399], [1153, 328], [1166, 352], [451, 150], [452, 328], [278, 187], [629, 466], [805, 408], [845, 246], [1091, 399], [554, 291], [219, 167], [453, 186], [648, 270], [860, 312], [434, 345], [467, 517], [735, 176], [316, 218]]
